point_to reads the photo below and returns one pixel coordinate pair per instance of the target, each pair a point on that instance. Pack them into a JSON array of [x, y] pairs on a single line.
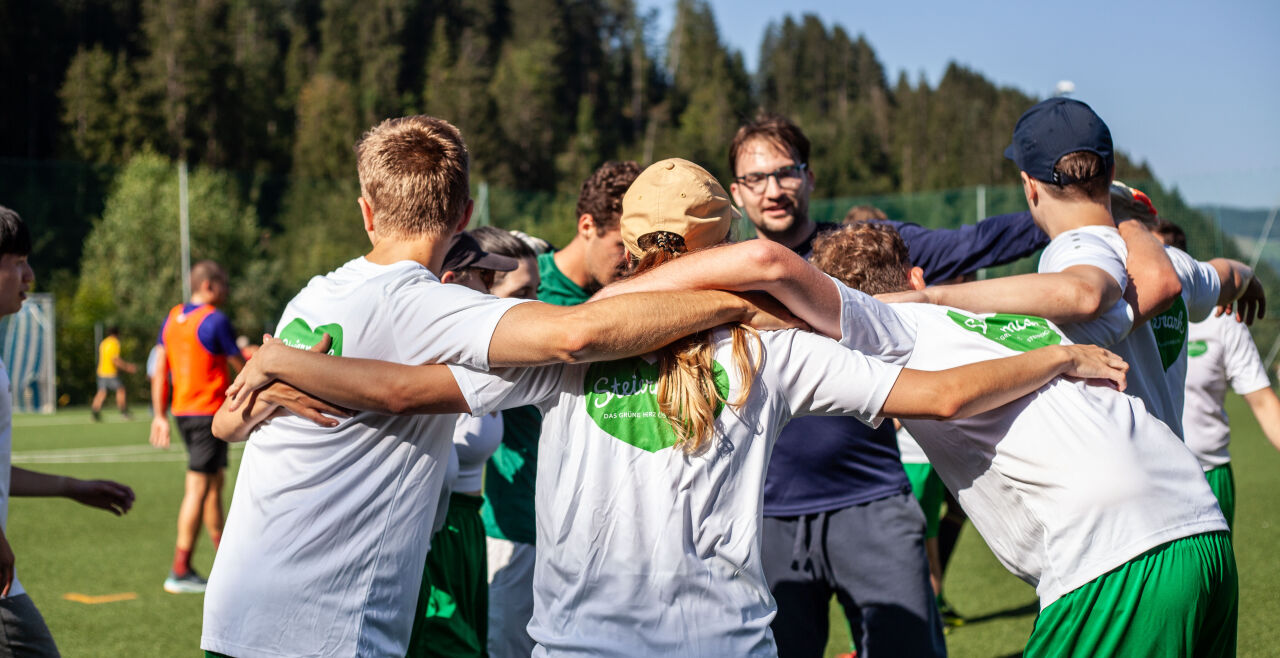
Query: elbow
[[950, 407], [1085, 303], [225, 430], [767, 259], [574, 345]]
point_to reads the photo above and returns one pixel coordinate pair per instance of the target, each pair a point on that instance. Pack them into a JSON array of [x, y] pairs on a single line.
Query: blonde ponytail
[[687, 392]]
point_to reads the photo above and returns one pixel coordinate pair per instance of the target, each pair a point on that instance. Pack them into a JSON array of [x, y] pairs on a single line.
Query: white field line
[[112, 454]]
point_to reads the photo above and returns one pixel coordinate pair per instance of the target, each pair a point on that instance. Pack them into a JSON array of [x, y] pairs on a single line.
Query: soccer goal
[[27, 348]]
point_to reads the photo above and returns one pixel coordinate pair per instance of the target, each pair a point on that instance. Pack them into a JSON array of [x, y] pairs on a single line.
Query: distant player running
[[195, 346], [109, 366], [651, 469]]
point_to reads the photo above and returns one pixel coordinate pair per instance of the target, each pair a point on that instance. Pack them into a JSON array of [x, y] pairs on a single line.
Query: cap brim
[[496, 262], [1010, 153]]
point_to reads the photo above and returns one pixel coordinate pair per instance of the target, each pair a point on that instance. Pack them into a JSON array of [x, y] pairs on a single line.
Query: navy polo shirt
[[826, 463]]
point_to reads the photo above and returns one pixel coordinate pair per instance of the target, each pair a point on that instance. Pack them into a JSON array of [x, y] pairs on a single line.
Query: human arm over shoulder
[[947, 253], [1155, 280], [744, 266], [1080, 293]]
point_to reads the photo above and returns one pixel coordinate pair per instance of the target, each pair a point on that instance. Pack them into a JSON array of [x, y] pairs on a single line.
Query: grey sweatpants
[[871, 557], [23, 633]]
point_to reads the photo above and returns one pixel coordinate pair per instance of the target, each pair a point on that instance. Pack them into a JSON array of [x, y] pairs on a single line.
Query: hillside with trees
[[264, 99]]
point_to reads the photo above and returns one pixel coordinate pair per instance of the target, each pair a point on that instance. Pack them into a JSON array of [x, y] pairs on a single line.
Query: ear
[[366, 212], [1029, 189], [810, 176], [449, 277], [736, 194], [586, 225], [915, 277], [466, 216]]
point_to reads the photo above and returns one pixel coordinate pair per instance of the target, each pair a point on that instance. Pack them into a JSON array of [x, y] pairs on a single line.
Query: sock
[[181, 561]]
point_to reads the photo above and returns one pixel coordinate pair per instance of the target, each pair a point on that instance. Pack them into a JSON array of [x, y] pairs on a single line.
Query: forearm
[[746, 266], [31, 483], [1155, 281], [1234, 276], [367, 384], [613, 328], [975, 388], [1266, 408], [1059, 297], [160, 391]]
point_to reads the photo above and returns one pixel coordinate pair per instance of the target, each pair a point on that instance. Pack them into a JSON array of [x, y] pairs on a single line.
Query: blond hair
[[687, 392], [414, 171]]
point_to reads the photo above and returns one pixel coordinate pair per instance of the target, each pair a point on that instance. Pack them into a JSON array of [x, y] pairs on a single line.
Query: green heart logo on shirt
[[622, 399], [1197, 348], [1170, 329], [1016, 332], [300, 334]]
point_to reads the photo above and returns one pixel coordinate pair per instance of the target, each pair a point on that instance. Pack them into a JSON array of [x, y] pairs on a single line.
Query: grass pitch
[[118, 564]]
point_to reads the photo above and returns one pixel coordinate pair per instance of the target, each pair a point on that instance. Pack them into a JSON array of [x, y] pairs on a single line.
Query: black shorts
[[205, 452]]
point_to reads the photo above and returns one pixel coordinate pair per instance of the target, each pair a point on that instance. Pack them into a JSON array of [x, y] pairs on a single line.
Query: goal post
[[27, 348]]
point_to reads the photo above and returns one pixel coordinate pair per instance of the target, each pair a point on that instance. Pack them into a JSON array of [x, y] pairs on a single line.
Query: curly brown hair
[[601, 195], [866, 256]]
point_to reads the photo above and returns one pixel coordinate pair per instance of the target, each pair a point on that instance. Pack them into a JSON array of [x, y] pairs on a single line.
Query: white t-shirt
[[329, 527], [1221, 351], [910, 450], [6, 461], [1200, 291], [1102, 247], [642, 549], [475, 440], [1064, 484]]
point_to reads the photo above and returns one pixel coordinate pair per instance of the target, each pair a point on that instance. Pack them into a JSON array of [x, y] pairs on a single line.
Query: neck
[[792, 237], [1057, 218], [200, 299], [572, 262], [427, 250]]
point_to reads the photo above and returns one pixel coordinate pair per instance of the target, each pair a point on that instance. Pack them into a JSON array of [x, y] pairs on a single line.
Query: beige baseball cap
[[676, 196]]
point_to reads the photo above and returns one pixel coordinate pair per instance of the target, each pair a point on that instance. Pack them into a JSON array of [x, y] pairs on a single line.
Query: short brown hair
[[863, 213], [866, 256], [206, 270], [775, 129], [414, 171], [602, 192], [1092, 180]]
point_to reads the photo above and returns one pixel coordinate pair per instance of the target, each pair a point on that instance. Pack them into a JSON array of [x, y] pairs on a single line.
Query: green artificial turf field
[[63, 548]]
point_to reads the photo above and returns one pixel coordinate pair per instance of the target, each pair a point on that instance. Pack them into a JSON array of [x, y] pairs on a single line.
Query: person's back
[[1083, 477], [291, 464], [624, 514]]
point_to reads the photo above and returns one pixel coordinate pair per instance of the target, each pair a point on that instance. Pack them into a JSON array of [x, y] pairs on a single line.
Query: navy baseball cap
[[1052, 129]]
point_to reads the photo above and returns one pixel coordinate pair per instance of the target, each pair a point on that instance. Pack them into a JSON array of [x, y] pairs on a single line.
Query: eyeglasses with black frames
[[790, 177]]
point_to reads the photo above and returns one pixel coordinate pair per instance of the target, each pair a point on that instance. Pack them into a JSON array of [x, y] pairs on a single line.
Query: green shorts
[[1223, 483], [452, 618], [1177, 599], [929, 490]]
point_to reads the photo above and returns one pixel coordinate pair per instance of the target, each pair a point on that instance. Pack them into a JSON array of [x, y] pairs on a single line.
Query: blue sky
[[1191, 87]]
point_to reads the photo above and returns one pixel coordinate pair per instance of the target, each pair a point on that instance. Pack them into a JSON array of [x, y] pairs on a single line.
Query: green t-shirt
[[556, 288], [509, 476]]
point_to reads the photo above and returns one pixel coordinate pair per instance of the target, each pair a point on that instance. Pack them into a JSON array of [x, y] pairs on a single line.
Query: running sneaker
[[188, 583]]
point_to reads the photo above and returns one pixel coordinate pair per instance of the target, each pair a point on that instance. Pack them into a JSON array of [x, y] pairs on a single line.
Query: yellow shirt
[[108, 352]]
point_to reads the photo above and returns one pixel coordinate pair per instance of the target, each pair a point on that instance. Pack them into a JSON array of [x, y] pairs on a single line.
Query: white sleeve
[[1240, 359], [818, 376], [1200, 284], [1082, 247], [445, 323], [507, 388], [873, 327]]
